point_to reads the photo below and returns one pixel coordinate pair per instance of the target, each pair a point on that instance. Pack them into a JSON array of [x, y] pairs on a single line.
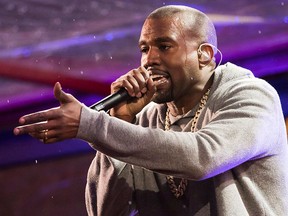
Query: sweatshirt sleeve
[[242, 125]]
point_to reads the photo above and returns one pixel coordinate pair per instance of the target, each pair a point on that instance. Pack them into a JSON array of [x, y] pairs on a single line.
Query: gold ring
[[45, 135]]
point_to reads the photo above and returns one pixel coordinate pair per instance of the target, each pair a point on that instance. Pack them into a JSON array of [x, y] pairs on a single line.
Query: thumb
[[60, 95]]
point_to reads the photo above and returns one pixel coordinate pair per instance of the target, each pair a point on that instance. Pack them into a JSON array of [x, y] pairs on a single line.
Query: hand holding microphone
[[132, 92]]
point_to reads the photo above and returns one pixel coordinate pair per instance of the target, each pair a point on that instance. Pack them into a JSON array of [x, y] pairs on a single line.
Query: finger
[[135, 82], [51, 136], [40, 135], [31, 128], [51, 121], [151, 89], [145, 73], [33, 118], [37, 135], [142, 75], [46, 136], [126, 81], [60, 95], [122, 82], [40, 116]]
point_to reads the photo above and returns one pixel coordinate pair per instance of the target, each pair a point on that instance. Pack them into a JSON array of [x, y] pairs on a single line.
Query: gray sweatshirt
[[236, 161]]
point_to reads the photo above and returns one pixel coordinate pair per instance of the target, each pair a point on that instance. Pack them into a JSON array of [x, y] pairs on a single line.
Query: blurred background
[[86, 44]]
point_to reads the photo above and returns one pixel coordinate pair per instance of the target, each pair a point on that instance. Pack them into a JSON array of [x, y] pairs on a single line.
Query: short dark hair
[[205, 29]]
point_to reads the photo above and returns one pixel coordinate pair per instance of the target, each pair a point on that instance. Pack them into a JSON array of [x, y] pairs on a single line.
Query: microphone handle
[[111, 100]]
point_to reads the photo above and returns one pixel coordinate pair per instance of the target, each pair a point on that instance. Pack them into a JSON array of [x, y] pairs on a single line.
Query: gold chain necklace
[[179, 191]]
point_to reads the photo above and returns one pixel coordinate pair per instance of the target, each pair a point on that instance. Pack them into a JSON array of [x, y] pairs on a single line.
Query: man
[[195, 140]]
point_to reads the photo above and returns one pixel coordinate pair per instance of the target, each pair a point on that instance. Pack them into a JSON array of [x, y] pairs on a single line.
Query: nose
[[150, 58]]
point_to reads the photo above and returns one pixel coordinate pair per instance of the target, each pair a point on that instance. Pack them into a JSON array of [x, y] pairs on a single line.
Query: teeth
[[155, 77]]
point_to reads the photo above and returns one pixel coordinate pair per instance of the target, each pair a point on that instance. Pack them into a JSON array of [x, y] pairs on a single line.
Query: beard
[[162, 97]]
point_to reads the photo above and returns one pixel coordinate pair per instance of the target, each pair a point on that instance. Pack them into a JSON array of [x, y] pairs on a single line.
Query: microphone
[[111, 100]]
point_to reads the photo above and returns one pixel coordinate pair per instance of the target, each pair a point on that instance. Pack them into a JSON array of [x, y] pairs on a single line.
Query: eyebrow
[[158, 40]]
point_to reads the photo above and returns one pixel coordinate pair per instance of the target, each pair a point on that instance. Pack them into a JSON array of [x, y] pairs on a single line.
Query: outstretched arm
[[62, 122]]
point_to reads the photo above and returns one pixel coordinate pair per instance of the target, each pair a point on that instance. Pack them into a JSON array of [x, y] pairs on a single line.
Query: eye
[[144, 49], [164, 47]]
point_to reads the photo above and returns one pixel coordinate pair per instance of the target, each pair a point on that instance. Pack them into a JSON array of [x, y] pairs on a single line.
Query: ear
[[205, 54]]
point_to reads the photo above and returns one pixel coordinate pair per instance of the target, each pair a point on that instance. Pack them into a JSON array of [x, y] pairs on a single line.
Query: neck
[[180, 108]]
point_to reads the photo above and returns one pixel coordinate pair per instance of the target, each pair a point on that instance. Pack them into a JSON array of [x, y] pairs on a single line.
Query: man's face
[[170, 54]]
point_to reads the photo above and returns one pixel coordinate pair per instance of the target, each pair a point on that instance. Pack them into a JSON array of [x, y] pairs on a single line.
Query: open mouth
[[158, 78]]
